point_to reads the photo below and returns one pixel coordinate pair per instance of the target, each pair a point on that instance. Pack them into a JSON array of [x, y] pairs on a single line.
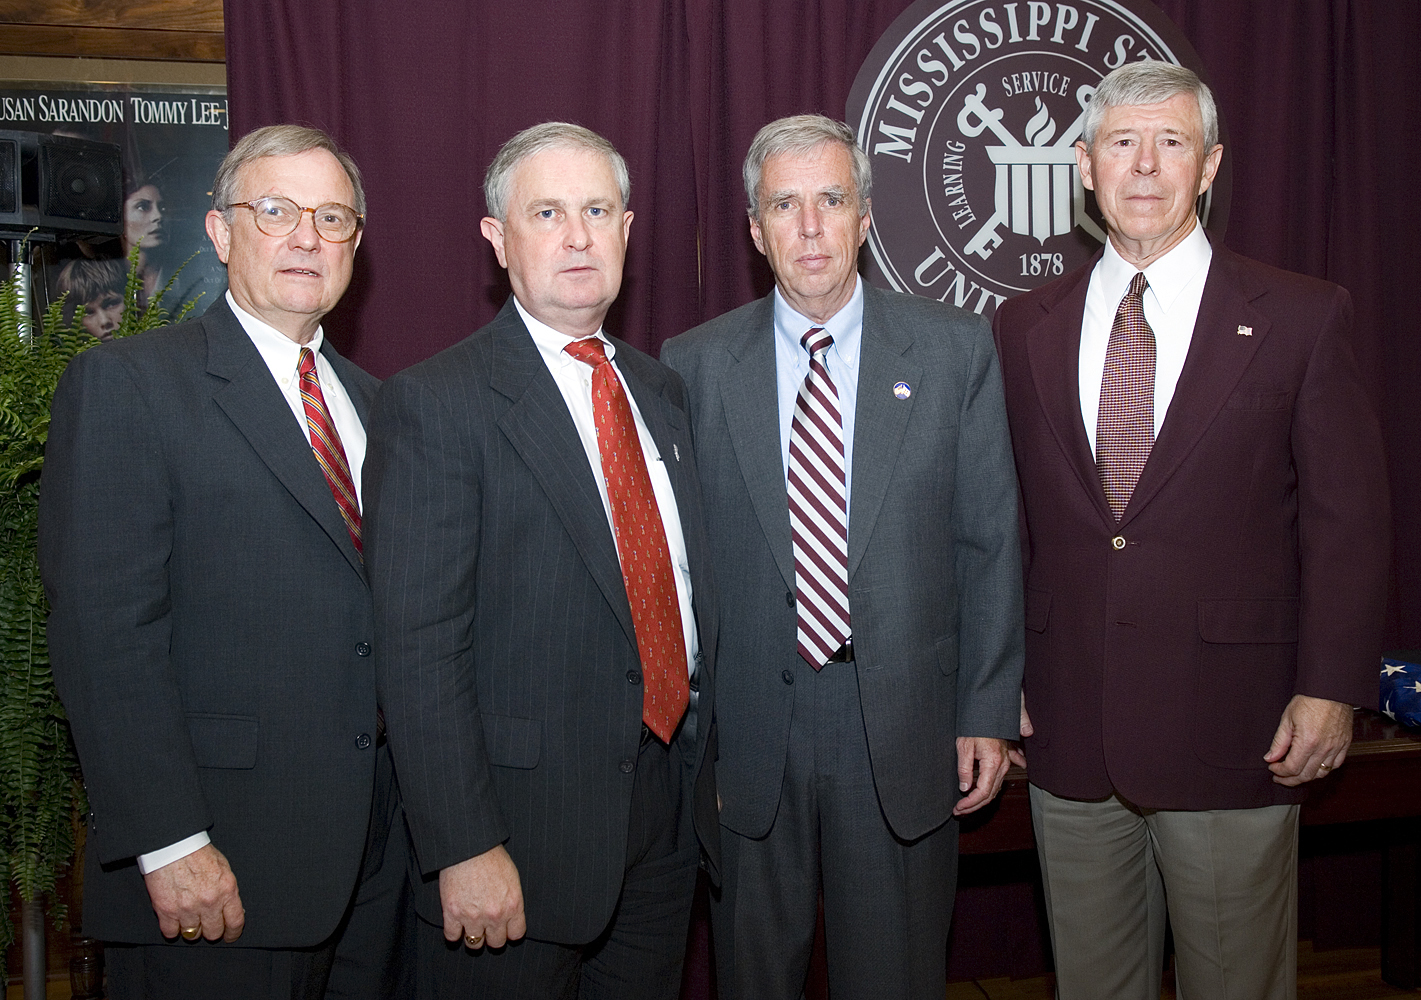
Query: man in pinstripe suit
[[558, 835]]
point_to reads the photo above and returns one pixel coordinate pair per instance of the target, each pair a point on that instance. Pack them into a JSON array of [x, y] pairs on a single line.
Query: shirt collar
[[279, 351], [1168, 276], [845, 326], [551, 343]]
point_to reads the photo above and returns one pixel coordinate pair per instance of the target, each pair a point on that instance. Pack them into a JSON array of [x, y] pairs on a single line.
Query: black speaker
[[61, 186]]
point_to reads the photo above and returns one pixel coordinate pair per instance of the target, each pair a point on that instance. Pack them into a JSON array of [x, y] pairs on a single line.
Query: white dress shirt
[[1171, 305], [574, 381], [282, 357]]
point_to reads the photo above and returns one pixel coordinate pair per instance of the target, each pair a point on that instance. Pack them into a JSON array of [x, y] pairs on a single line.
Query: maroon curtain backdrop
[[1322, 101]]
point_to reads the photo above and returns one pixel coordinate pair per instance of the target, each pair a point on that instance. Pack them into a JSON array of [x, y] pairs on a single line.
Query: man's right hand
[[197, 891], [482, 900]]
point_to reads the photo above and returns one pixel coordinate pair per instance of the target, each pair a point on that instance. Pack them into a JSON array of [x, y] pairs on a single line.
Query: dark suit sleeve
[[1343, 521], [987, 555], [422, 491], [106, 535]]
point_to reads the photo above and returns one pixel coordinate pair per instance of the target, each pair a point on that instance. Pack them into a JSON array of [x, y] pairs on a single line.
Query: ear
[[1083, 165], [756, 235], [493, 232], [626, 225], [1211, 167], [220, 234], [866, 221]]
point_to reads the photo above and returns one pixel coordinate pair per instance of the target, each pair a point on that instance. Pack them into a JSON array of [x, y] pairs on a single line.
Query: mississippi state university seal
[[969, 111]]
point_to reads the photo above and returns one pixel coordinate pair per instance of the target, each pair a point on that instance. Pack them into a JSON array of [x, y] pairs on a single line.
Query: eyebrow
[[780, 196]]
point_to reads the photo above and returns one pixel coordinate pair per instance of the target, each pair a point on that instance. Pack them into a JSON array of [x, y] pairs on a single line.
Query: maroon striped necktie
[[325, 442], [641, 546], [1125, 425], [818, 509]]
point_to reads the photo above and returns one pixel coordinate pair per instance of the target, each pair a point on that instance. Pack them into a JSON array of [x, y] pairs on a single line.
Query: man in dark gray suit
[[544, 613], [200, 543], [861, 503]]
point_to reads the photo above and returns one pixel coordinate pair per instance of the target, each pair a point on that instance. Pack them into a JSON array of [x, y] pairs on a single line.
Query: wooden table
[[1381, 780]]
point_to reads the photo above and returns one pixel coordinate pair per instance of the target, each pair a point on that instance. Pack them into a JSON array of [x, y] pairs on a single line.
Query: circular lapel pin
[[902, 390]]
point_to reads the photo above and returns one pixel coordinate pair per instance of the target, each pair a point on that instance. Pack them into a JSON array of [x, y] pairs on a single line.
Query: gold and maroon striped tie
[[325, 442], [641, 546], [818, 509]]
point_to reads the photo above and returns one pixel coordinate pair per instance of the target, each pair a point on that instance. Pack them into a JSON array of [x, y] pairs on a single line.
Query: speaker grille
[[80, 184], [9, 176]]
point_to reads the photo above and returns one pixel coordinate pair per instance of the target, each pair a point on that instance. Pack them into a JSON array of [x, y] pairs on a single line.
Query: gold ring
[[473, 940], [191, 933], [1324, 767]]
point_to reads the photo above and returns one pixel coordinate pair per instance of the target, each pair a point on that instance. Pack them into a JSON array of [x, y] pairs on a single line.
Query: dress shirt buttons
[[1118, 542], [633, 677], [362, 649], [627, 766], [789, 599], [788, 676], [363, 741]]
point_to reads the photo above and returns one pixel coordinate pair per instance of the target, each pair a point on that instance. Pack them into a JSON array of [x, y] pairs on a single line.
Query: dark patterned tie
[[641, 546], [818, 509], [1125, 426], [325, 442]]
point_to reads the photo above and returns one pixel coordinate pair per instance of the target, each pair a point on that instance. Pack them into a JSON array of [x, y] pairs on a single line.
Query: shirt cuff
[[154, 860]]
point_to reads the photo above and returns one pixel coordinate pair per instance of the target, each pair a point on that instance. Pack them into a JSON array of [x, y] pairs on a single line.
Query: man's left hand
[[1311, 741], [990, 757]]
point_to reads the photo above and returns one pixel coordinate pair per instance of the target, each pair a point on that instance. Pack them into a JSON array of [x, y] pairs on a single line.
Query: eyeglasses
[[335, 223]]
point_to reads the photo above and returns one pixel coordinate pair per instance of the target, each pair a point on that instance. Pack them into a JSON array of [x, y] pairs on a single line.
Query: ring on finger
[[1324, 767], [191, 933], [473, 940]]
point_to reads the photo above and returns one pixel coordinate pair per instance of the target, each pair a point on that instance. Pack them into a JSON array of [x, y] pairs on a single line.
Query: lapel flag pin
[[1245, 331], [902, 390]]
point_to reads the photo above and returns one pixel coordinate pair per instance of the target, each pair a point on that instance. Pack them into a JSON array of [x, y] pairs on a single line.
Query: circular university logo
[[969, 111]]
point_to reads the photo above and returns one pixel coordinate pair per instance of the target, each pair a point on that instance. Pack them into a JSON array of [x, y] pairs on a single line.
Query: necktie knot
[[589, 351], [1138, 284], [816, 340], [306, 364]]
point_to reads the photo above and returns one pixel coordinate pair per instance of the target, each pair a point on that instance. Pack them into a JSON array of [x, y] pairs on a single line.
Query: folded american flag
[[1401, 691]]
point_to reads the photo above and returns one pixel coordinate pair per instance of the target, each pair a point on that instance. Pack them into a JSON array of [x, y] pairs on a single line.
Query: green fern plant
[[40, 785]]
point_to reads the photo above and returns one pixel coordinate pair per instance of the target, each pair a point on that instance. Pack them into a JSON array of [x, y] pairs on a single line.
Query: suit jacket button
[[363, 741], [788, 676], [362, 649], [627, 766], [789, 598], [1118, 542], [633, 677]]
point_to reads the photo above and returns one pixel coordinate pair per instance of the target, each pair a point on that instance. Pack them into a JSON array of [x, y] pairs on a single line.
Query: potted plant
[[41, 793]]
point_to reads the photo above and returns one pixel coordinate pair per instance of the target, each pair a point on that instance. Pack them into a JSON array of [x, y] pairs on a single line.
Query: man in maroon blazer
[[1206, 546]]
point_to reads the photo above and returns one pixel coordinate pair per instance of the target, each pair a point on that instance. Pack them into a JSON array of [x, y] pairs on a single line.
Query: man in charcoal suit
[[862, 510], [1206, 553], [200, 540], [544, 615]]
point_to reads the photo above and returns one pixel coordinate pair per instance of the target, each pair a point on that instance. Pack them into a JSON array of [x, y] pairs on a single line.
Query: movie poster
[[172, 139]]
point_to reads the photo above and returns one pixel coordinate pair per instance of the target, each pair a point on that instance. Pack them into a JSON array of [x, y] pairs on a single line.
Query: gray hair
[[278, 140], [1150, 81], [799, 135], [498, 182]]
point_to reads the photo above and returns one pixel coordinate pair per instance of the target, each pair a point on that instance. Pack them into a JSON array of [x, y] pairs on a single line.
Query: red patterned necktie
[[325, 442], [641, 546], [1125, 425], [818, 511]]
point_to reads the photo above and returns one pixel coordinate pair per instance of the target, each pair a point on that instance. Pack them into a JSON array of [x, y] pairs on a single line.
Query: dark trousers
[[639, 954], [887, 901], [370, 956]]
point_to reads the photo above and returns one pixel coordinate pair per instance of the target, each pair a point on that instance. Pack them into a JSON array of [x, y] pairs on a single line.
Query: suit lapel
[[880, 417], [1053, 348], [1218, 356], [255, 405], [540, 428], [750, 395]]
